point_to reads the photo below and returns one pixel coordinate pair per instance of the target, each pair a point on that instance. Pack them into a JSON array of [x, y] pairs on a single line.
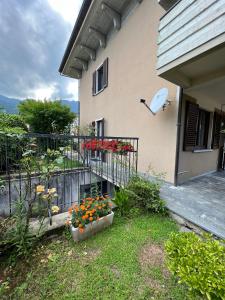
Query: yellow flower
[[55, 209], [40, 188], [45, 197], [52, 190]]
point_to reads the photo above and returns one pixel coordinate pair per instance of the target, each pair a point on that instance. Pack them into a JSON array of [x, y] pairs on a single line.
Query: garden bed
[[125, 261]]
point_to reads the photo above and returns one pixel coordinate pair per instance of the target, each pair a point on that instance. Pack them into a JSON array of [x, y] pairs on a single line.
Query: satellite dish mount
[[159, 101]]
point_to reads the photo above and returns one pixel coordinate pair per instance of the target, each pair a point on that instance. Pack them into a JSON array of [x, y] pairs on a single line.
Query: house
[[126, 50]]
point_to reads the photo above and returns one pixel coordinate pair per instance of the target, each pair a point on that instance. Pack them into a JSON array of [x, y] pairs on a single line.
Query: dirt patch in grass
[[153, 255], [116, 272]]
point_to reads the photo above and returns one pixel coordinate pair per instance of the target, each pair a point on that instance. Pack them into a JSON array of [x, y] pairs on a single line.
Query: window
[[100, 78], [202, 129], [196, 127], [217, 126]]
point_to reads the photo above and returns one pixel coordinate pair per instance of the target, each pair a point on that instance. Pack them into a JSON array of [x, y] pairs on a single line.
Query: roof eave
[[79, 22]]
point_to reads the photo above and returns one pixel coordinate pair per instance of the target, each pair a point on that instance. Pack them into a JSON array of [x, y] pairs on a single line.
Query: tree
[[10, 123], [46, 116]]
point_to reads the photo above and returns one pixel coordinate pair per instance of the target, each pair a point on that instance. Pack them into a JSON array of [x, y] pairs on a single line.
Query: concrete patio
[[200, 201]]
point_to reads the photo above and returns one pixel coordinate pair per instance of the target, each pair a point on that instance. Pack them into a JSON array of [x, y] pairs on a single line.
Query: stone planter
[[92, 228]]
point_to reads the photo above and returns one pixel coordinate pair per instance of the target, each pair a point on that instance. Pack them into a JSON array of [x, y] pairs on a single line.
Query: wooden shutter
[[94, 83], [216, 130], [105, 72], [191, 125]]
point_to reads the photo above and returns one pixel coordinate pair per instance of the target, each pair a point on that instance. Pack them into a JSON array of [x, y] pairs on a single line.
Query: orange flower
[[91, 214], [91, 219], [70, 210], [89, 199], [81, 230], [99, 207], [82, 207], [84, 217]]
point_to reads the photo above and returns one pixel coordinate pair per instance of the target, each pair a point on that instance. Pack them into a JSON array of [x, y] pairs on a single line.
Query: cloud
[[33, 38]]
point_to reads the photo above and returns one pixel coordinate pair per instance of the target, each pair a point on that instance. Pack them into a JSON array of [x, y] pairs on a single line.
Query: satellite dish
[[159, 101]]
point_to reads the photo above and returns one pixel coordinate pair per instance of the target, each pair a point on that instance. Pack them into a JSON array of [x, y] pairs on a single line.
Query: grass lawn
[[125, 261]]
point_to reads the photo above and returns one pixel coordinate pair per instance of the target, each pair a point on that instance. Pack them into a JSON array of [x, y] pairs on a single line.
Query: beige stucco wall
[[195, 164], [132, 75]]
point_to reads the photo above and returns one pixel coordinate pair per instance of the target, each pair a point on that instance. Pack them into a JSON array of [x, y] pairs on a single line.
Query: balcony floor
[[200, 201]]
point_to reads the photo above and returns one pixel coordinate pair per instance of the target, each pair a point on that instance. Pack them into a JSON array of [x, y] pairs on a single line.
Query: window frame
[[95, 78], [192, 128]]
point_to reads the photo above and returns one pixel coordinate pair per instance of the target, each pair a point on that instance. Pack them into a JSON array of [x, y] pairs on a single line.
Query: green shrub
[[199, 263], [12, 142], [55, 117], [12, 127], [145, 194], [123, 202], [12, 123]]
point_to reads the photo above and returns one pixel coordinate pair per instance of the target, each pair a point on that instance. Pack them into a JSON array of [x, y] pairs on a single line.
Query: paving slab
[[200, 201]]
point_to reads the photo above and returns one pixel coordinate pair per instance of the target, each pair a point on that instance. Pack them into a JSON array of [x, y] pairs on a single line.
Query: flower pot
[[92, 228]]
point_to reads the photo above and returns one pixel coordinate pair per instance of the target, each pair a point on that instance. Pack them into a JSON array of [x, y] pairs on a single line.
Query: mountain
[[73, 105], [9, 105]]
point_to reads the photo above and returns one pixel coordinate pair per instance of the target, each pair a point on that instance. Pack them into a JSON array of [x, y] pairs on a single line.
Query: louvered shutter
[[190, 134], [216, 130], [105, 72], [94, 83]]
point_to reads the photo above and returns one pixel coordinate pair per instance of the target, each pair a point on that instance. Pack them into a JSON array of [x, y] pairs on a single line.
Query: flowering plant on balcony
[[114, 146], [92, 209]]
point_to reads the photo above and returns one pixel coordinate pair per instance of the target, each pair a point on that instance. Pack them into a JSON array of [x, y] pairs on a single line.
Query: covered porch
[[200, 201]]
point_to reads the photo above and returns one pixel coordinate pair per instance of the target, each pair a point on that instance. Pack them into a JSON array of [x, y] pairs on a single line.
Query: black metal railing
[[75, 166]]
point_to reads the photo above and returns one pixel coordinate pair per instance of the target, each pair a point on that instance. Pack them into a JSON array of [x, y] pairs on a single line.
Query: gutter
[[179, 119]]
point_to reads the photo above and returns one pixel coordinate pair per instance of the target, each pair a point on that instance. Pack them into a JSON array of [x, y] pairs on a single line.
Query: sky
[[33, 38]]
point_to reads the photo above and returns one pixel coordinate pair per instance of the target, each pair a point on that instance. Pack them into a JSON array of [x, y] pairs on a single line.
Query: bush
[[46, 116], [145, 194], [199, 263], [11, 129], [12, 142], [123, 202], [12, 123]]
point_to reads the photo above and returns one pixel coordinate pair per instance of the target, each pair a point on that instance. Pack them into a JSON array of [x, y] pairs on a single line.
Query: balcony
[[191, 43], [75, 166]]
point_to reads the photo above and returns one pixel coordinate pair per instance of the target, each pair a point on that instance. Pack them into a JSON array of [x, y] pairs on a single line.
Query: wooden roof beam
[[99, 36], [90, 52], [76, 72], [83, 63], [114, 15]]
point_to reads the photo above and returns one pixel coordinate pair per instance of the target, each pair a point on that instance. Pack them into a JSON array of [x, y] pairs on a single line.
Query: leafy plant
[[200, 263], [122, 202], [145, 194], [13, 122], [33, 199], [19, 234], [55, 117]]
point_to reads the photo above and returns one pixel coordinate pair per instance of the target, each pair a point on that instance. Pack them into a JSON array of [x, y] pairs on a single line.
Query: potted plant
[[90, 217]]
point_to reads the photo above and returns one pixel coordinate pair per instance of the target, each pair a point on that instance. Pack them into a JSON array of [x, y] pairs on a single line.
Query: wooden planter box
[[92, 228]]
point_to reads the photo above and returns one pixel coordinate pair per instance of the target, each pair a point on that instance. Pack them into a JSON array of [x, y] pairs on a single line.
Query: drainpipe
[[179, 119]]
